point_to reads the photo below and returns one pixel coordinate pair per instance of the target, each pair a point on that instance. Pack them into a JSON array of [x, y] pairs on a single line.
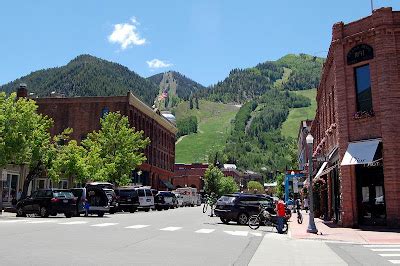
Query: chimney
[[22, 92]]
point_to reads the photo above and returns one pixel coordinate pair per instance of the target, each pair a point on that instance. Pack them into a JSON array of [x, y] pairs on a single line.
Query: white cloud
[[126, 34], [156, 63]]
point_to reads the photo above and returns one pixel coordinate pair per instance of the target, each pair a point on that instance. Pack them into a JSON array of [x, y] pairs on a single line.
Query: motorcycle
[[266, 217]]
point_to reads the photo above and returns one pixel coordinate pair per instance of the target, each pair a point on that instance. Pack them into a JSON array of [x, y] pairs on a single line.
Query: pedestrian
[[305, 204], [87, 206], [19, 194], [280, 214]]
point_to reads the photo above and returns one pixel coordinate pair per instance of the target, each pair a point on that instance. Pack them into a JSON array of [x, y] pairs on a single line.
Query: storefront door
[[370, 195], [10, 187]]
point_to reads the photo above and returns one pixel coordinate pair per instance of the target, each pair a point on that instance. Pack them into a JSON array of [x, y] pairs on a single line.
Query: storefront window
[[363, 88], [10, 187]]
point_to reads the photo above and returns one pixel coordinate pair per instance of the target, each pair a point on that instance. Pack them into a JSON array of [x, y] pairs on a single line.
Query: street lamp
[[311, 224]]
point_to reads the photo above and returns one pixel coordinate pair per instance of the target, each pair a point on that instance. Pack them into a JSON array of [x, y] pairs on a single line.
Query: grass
[[290, 127], [213, 129]]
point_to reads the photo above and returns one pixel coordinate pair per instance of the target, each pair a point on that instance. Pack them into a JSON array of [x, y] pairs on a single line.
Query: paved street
[[174, 237]]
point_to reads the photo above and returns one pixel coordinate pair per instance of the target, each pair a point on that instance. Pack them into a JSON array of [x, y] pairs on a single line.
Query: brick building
[[356, 124], [83, 115]]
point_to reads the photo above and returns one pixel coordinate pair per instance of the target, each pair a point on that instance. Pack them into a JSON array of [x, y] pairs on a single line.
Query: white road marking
[[237, 233], [385, 249], [138, 226], [383, 246], [13, 221], [170, 228], [40, 221], [256, 234], [104, 224], [75, 222], [395, 261], [390, 255], [205, 231]]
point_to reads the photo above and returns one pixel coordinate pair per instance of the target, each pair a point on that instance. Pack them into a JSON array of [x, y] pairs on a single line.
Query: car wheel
[[100, 214], [43, 212], [159, 209], [68, 214], [20, 212], [242, 218], [132, 210], [112, 211], [225, 221], [146, 210], [166, 208]]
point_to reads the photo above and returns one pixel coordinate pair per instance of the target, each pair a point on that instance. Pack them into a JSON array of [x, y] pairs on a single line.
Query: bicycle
[[268, 219], [210, 201]]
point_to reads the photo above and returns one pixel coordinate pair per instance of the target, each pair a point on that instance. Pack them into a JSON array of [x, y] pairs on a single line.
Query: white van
[[146, 198], [189, 195]]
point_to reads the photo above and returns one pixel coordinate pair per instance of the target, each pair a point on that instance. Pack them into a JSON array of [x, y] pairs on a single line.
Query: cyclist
[[212, 199]]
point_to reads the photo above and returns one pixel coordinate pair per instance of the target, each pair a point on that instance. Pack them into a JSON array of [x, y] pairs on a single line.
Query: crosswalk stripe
[[390, 255], [383, 246], [40, 222], [237, 233], [205, 231], [395, 261], [170, 228], [13, 221], [75, 222], [256, 234], [104, 224], [138, 226], [385, 249]]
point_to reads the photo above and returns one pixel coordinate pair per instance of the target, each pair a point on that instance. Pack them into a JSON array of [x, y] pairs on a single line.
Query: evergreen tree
[[191, 103], [197, 103]]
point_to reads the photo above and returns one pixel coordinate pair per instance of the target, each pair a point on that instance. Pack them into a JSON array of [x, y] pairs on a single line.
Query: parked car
[[80, 194], [47, 202], [239, 207], [146, 198], [179, 199], [127, 199], [94, 197], [165, 200]]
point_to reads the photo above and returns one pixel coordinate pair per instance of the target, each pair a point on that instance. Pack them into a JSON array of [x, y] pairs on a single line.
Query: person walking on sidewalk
[[305, 203], [280, 214]]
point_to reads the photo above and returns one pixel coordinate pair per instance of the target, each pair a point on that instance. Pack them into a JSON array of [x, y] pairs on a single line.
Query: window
[[363, 88]]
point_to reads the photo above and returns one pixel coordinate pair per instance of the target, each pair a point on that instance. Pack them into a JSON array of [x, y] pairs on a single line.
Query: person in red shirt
[[280, 213]]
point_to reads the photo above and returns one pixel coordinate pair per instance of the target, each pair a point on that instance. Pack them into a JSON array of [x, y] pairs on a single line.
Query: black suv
[[47, 202], [165, 200], [239, 207], [93, 190], [127, 199]]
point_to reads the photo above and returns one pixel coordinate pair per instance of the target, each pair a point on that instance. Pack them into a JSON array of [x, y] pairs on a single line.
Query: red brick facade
[[336, 123], [83, 115]]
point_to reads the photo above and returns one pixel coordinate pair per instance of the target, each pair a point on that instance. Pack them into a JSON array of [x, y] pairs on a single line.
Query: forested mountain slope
[[87, 75]]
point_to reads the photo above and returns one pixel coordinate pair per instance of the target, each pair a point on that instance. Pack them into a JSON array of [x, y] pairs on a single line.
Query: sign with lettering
[[359, 53]]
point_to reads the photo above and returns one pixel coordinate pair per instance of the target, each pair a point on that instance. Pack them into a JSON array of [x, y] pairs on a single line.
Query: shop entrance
[[10, 187], [370, 195]]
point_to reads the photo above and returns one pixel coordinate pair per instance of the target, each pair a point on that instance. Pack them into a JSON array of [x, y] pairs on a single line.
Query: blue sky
[[203, 40]]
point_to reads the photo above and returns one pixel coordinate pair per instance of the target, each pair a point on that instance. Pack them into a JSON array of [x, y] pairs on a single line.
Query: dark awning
[[167, 184]]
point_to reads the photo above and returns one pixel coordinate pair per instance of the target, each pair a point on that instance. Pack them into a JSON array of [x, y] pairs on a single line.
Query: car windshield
[[63, 194], [140, 192], [127, 193], [226, 199]]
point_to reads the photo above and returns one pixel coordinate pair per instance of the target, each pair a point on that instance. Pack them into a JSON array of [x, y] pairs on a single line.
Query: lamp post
[[311, 224]]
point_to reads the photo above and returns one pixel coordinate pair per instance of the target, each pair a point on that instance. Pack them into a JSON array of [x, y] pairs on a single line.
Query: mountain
[[291, 72], [174, 87], [87, 75]]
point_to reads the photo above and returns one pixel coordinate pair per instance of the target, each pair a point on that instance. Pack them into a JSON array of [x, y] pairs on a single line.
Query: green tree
[[280, 189], [212, 180], [228, 185], [191, 102], [254, 186], [197, 103], [115, 150], [24, 136], [70, 161]]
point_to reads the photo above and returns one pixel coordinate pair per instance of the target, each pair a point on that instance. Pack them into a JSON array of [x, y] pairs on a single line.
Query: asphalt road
[[175, 237], [183, 236]]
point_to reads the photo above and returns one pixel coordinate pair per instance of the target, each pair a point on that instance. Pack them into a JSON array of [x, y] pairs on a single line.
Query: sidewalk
[[330, 231]]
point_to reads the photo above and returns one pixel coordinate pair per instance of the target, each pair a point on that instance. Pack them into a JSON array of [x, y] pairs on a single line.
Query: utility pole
[[372, 6]]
